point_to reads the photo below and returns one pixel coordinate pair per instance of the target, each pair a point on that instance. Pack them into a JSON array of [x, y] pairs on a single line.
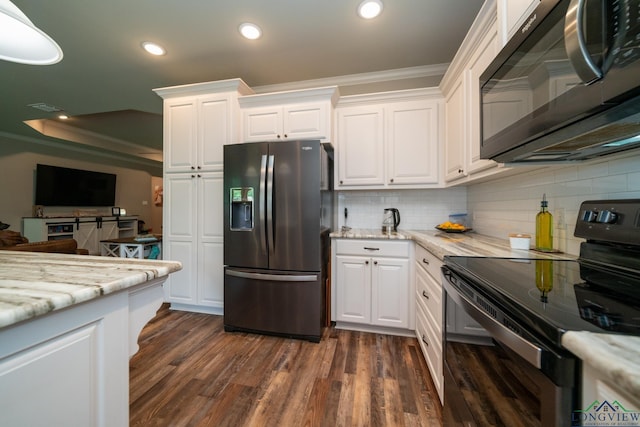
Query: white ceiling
[[105, 70]]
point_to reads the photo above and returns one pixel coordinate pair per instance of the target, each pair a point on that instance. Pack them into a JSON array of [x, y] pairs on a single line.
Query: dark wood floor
[[189, 372]]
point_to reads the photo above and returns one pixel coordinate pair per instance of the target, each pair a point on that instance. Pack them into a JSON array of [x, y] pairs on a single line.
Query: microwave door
[[245, 175]]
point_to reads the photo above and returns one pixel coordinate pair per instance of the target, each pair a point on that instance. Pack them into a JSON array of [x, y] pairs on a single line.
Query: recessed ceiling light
[[369, 9], [250, 31], [153, 48]]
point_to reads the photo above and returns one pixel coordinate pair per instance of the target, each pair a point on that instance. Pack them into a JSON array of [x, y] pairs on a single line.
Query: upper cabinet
[[389, 140], [461, 89], [293, 115], [511, 15], [198, 120]]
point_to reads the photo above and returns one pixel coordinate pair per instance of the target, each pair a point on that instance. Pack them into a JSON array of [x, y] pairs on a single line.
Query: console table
[[132, 247]]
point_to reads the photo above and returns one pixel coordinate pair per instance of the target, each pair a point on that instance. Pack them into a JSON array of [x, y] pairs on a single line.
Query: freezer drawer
[[272, 302]]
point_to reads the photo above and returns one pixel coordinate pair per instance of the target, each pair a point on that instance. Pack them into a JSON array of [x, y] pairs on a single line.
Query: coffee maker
[[390, 220]]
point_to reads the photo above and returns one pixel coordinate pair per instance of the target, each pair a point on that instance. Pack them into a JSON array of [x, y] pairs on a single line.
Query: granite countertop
[[616, 357], [440, 243], [33, 284]]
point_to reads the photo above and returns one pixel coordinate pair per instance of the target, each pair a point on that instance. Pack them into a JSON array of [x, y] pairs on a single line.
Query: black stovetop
[[550, 297]]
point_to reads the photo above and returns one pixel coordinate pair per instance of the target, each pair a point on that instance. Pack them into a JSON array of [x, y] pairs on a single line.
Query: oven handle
[[525, 349]]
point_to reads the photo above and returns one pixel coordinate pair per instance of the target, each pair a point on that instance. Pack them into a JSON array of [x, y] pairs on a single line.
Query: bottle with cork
[[544, 227]]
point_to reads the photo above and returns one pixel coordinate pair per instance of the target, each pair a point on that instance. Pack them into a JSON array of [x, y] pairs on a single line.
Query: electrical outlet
[[561, 222]]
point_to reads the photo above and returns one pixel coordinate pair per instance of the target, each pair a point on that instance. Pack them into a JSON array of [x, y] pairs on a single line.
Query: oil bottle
[[544, 227]]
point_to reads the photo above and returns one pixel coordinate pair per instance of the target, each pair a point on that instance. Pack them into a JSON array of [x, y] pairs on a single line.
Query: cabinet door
[[353, 289], [179, 238], [360, 146], [390, 292], [108, 230], [214, 131], [87, 236], [305, 121], [210, 240], [479, 63], [455, 132], [179, 135], [511, 15], [262, 124], [412, 142]]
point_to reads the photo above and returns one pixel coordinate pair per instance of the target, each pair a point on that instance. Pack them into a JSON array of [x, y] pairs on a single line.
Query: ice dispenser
[[241, 208]]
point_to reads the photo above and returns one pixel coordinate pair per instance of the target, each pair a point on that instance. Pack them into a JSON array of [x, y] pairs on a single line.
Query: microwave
[[566, 87]]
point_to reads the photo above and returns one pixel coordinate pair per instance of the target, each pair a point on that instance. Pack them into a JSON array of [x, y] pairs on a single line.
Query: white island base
[[70, 367]]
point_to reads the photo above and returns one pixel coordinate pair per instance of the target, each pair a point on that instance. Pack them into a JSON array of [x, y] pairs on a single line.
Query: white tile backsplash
[[419, 209], [510, 204]]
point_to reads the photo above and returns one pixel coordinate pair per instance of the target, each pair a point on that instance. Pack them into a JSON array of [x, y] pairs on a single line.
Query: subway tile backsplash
[[419, 209], [505, 205], [510, 204]]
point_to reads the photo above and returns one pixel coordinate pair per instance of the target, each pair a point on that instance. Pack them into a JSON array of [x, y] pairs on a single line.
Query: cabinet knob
[[199, 176], [391, 180], [426, 261], [193, 176], [366, 262], [199, 168], [192, 168], [424, 294], [424, 340], [460, 170], [375, 262], [278, 136], [285, 135], [340, 181]]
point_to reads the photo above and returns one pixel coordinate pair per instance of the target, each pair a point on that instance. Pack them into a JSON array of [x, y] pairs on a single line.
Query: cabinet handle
[[424, 294], [424, 340], [426, 261], [371, 249]]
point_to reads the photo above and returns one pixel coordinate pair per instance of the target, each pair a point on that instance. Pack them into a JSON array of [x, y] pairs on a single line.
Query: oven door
[[502, 384]]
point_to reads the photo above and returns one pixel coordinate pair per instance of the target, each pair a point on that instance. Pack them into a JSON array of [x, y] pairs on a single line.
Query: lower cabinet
[[372, 285], [429, 314]]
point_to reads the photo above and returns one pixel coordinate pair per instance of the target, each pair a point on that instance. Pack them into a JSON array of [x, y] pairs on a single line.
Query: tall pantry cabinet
[[199, 119]]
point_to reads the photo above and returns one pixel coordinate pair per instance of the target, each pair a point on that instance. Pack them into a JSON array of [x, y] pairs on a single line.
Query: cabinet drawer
[[372, 247], [429, 296], [431, 345], [429, 262]]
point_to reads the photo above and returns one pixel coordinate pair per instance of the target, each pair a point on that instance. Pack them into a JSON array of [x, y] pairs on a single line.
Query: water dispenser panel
[[241, 208]]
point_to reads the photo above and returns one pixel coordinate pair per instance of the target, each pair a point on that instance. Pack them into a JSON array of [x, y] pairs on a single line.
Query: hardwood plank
[[189, 372]]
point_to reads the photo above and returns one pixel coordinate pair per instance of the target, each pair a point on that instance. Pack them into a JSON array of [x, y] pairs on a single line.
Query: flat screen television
[[57, 186]]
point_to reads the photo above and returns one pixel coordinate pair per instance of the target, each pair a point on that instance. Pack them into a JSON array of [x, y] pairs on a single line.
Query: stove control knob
[[607, 217], [589, 216]]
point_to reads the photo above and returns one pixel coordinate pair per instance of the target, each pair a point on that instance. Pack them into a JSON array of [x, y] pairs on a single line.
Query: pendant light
[[23, 42]]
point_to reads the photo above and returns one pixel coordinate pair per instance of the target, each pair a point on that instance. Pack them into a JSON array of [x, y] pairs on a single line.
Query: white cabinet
[[199, 120], [371, 285], [193, 235], [597, 387], [87, 231], [511, 15], [461, 87], [389, 140], [429, 314], [293, 115]]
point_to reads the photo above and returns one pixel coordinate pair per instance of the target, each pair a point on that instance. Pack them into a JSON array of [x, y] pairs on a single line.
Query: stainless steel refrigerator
[[278, 215]]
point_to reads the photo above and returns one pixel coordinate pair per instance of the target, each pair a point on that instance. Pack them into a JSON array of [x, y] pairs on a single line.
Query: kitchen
[[505, 204]]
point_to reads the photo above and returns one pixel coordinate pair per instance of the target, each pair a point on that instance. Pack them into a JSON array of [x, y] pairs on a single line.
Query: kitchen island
[[68, 326]]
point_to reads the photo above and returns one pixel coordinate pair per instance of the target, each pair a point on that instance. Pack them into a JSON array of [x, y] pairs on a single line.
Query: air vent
[[487, 306], [45, 107]]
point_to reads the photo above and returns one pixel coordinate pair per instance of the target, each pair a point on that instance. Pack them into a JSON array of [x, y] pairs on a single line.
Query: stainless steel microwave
[[567, 85]]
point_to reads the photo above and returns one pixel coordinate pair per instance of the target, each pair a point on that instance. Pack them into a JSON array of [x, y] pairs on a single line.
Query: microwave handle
[[575, 44]]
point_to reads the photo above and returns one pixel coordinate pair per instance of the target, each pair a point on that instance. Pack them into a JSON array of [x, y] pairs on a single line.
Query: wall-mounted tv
[[57, 186]]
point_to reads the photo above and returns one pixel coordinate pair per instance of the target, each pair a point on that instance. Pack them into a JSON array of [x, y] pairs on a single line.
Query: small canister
[[520, 241]]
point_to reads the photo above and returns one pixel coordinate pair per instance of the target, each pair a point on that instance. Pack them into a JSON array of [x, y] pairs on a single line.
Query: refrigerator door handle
[[273, 277], [261, 211], [270, 224]]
